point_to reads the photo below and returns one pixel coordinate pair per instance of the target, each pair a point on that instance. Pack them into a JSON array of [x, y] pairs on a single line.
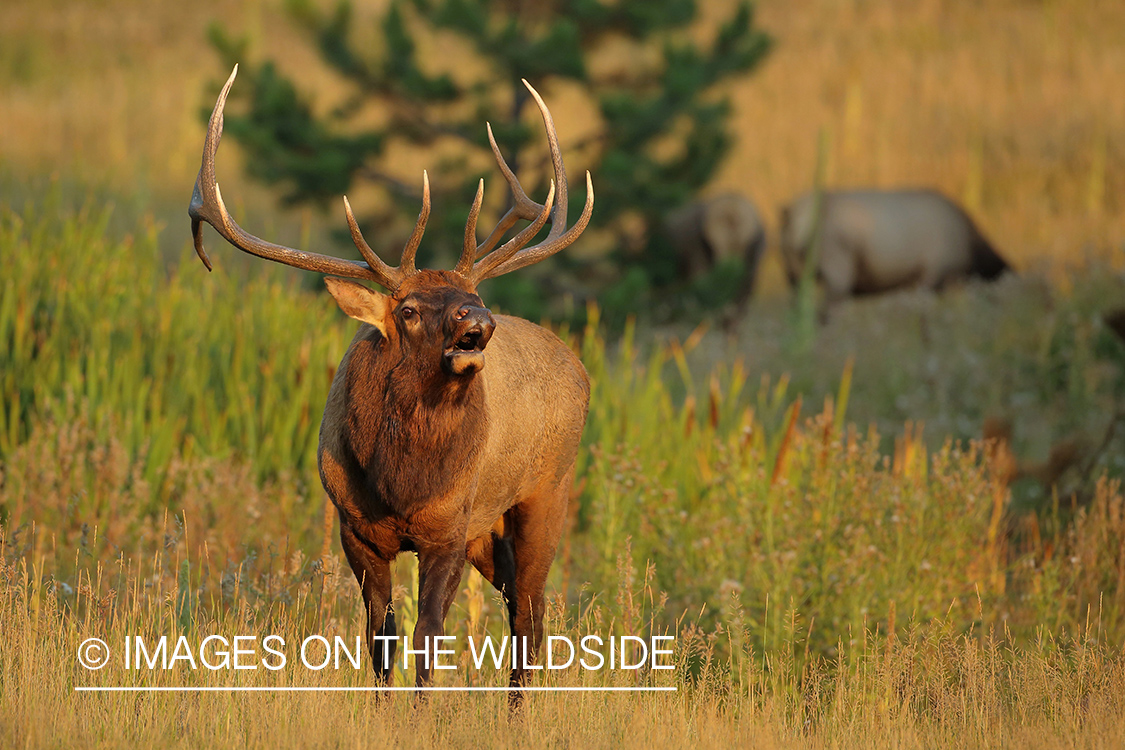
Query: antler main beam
[[207, 206]]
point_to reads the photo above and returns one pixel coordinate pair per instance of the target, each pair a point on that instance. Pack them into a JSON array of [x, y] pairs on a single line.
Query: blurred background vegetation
[[658, 134], [152, 410], [1008, 106]]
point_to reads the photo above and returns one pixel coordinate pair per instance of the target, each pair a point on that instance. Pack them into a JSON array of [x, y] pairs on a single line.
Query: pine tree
[[662, 132]]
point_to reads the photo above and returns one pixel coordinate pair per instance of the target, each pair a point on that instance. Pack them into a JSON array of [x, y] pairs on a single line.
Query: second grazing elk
[[449, 432], [874, 241]]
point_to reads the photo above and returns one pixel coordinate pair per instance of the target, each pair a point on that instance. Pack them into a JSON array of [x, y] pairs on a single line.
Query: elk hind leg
[[538, 524], [494, 559]]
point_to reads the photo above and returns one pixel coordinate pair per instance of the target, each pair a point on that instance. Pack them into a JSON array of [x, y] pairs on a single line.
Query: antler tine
[[411, 249], [522, 208], [207, 206], [392, 277], [483, 269], [406, 266], [557, 227], [469, 249], [547, 248], [559, 236]]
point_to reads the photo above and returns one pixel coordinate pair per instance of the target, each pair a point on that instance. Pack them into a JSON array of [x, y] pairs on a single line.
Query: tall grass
[[1041, 358], [144, 409], [167, 356], [156, 478], [924, 684]]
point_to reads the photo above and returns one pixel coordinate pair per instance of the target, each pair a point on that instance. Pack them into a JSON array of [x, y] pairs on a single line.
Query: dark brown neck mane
[[411, 428]]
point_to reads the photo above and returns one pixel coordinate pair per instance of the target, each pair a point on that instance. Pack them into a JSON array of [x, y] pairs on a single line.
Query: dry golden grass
[[925, 688], [87, 562]]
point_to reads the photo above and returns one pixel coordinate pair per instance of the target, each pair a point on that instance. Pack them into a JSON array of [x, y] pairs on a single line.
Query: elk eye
[[408, 313]]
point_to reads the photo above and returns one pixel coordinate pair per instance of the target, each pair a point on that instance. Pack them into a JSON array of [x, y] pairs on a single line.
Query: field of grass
[[928, 687], [157, 477]]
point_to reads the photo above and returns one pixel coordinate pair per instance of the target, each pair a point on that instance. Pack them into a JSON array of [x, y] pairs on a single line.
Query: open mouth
[[469, 342], [466, 355]]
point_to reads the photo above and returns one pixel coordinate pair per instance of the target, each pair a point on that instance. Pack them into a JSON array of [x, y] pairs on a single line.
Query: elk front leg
[[439, 575], [374, 576]]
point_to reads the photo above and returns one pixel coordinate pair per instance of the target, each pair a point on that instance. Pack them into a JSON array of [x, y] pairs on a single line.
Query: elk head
[[435, 317], [437, 320]]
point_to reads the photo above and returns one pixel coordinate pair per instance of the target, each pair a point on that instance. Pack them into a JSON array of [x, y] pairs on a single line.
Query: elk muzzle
[[468, 331]]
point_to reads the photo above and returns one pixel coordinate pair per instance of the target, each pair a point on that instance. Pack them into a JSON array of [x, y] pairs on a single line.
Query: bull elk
[[422, 447]]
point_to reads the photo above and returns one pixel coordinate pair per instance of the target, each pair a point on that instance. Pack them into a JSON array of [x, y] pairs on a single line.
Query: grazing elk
[[877, 240], [423, 447], [723, 230]]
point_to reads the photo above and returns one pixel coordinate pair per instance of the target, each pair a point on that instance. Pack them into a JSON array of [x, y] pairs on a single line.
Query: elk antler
[[207, 206], [510, 256]]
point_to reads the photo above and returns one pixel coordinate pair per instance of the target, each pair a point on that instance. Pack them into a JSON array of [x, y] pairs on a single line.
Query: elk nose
[[475, 320], [467, 310]]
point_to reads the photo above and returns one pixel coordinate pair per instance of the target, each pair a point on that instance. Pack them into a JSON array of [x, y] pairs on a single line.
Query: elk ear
[[361, 303]]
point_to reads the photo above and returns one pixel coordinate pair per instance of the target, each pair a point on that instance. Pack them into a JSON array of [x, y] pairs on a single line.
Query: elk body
[[449, 432], [877, 240]]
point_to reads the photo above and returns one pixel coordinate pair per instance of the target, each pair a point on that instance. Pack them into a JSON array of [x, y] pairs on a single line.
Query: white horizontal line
[[466, 689]]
